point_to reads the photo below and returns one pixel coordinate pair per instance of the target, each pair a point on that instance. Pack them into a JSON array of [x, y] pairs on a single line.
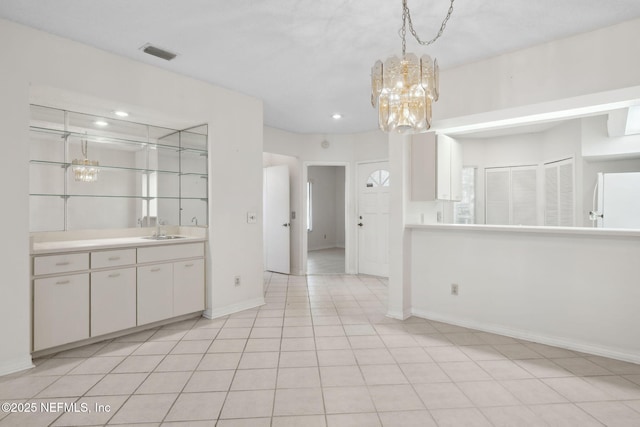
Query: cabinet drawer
[[53, 264], [170, 252], [115, 258]]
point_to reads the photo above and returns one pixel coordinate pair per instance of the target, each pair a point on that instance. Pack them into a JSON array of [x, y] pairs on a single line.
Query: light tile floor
[[326, 261], [322, 353]]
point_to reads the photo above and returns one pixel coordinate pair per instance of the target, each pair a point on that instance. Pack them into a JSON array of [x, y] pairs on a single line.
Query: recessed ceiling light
[[336, 116], [100, 123], [120, 113]]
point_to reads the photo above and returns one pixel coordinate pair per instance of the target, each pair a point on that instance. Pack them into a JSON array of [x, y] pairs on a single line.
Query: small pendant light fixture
[[85, 170], [404, 88]]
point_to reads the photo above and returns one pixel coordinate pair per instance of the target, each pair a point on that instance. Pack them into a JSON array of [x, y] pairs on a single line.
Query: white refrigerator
[[618, 200]]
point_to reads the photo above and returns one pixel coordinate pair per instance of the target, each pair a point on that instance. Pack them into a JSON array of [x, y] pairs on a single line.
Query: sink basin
[[165, 237]]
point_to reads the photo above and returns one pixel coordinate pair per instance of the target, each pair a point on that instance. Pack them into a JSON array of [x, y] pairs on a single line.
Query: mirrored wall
[[91, 172]]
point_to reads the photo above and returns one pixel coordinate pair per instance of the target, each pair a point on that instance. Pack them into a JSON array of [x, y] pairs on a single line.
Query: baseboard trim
[[400, 315], [555, 341], [233, 308], [16, 365], [112, 335], [327, 246]]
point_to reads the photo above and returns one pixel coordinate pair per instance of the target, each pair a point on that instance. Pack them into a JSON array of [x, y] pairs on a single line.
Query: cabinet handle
[[153, 270], [188, 265], [114, 258], [114, 275], [63, 282], [62, 263]]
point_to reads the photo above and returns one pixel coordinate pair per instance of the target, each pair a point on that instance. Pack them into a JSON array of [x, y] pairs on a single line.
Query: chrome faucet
[[194, 219], [159, 231]]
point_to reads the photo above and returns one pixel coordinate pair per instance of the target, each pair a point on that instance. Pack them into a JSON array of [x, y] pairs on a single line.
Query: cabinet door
[[155, 293], [188, 287], [449, 169], [423, 167], [113, 301], [456, 170], [444, 168], [60, 310]]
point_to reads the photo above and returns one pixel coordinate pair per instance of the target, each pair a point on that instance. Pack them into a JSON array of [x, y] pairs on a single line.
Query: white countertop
[[112, 243], [54, 242], [584, 231]]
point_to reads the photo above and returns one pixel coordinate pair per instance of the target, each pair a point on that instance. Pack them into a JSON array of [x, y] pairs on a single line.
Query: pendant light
[[403, 89], [85, 170]]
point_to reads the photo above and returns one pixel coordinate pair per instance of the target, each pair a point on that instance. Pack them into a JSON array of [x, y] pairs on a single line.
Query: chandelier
[[404, 88], [85, 170]]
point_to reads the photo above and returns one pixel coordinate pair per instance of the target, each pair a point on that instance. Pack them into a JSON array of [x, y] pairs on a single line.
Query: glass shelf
[[65, 165], [68, 196], [114, 140]]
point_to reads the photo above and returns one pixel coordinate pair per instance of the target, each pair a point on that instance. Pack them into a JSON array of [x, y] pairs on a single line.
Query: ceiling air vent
[[156, 51]]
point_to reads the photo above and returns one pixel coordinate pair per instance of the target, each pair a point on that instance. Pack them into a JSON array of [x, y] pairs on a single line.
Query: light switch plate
[[252, 217]]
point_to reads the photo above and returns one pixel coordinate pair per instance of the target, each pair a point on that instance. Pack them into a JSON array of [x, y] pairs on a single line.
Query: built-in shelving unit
[[146, 173]]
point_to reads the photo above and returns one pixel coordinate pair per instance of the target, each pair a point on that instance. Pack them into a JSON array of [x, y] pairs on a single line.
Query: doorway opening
[[326, 229]]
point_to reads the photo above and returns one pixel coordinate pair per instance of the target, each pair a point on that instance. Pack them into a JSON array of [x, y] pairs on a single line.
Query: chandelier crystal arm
[[406, 16]]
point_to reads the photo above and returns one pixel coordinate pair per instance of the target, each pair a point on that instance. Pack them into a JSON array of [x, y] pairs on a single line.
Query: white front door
[[276, 219], [373, 218]]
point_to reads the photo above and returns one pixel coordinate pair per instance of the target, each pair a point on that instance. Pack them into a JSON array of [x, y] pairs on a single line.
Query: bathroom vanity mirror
[[90, 172]]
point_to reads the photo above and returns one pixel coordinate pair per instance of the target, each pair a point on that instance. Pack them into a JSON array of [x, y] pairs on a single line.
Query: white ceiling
[[307, 59]]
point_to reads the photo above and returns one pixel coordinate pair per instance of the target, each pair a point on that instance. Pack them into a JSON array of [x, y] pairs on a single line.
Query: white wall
[[327, 207], [348, 149], [575, 291], [596, 143], [603, 60], [235, 160], [555, 287]]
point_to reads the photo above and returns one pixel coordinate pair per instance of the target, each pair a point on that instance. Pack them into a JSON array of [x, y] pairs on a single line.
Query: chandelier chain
[[406, 16], [83, 148]]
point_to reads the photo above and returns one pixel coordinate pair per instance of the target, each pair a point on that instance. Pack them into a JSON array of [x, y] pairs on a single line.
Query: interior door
[[373, 218], [276, 219]]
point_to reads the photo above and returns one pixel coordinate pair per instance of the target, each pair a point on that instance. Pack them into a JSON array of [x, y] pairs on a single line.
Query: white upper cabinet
[[449, 168], [436, 167]]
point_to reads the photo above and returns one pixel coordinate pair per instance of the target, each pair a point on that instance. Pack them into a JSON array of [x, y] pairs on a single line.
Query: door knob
[[360, 224], [286, 224]]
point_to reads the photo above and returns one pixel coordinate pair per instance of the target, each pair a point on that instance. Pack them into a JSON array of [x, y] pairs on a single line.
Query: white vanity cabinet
[[188, 292], [172, 284], [155, 293], [60, 310], [80, 295], [60, 299], [113, 291]]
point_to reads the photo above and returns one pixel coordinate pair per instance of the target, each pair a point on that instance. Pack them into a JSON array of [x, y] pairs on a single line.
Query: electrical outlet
[[236, 280], [454, 289]]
